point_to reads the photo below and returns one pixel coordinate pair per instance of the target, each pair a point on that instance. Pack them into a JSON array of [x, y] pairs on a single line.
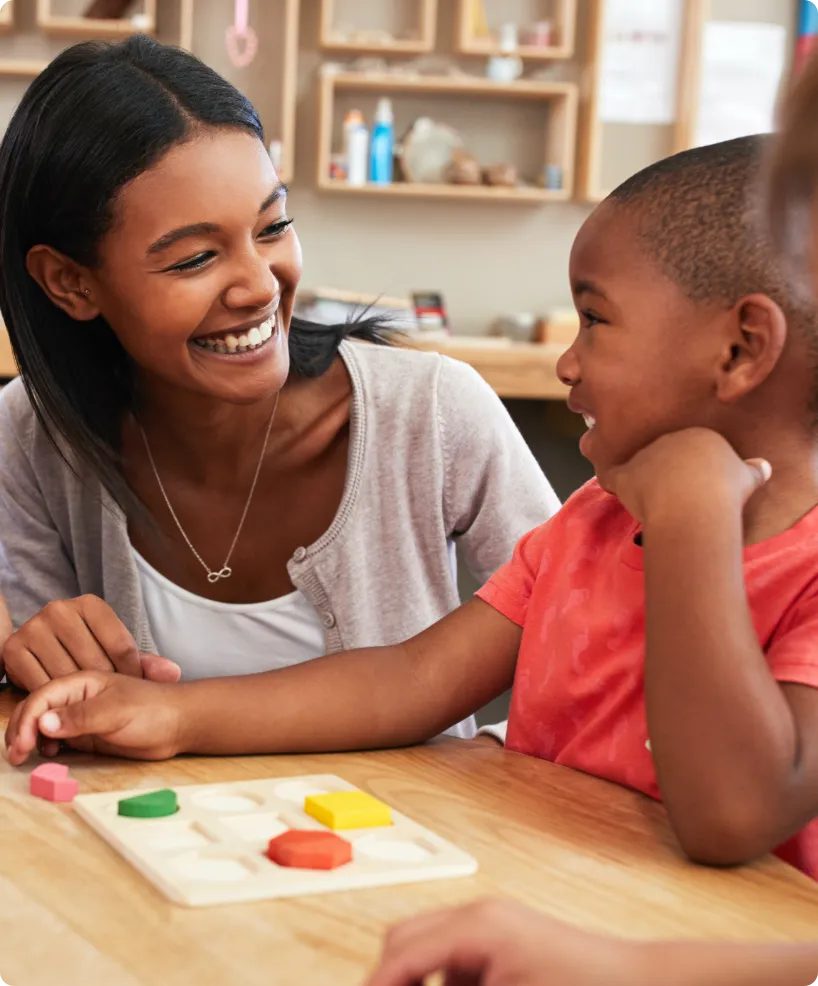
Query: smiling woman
[[192, 477]]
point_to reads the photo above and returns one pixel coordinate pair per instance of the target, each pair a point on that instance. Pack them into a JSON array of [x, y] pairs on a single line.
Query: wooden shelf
[[467, 84], [566, 25], [474, 193], [513, 370], [21, 67], [560, 136], [90, 27], [425, 42]]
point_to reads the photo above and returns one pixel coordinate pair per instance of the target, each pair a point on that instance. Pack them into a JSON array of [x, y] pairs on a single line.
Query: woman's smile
[[235, 343]]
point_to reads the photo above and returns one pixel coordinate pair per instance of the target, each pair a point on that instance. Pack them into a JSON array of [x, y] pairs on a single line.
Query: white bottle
[[357, 155], [508, 66]]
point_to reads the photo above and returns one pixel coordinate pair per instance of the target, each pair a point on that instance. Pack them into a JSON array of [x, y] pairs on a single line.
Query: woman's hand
[[99, 712], [502, 944], [82, 634]]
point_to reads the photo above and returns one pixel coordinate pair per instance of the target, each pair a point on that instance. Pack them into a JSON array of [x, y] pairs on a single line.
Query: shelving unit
[[647, 143], [424, 43], [560, 97], [74, 25], [469, 42]]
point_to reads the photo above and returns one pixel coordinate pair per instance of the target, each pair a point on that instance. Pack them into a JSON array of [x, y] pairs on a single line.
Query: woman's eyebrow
[[200, 229]]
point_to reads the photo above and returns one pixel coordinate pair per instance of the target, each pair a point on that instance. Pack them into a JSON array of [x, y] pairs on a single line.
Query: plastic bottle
[[352, 120], [507, 66], [383, 144], [357, 154]]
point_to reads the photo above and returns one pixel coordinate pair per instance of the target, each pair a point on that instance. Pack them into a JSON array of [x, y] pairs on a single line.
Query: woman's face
[[198, 274]]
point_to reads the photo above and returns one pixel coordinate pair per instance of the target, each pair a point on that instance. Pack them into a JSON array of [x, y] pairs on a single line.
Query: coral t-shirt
[[576, 587]]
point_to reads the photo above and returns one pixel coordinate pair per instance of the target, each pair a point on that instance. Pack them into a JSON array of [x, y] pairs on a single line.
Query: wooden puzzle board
[[212, 851]]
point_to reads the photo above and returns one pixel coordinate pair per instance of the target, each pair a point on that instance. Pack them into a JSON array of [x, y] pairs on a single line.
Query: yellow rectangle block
[[348, 810]]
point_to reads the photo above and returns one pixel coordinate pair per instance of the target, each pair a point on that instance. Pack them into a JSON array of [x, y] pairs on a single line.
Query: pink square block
[[51, 781]]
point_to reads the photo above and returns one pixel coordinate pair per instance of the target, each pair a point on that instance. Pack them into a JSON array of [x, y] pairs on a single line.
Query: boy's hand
[[686, 470], [502, 944], [82, 634], [99, 712]]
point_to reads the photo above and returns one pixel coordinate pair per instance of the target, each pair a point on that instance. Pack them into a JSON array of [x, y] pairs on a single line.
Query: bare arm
[[380, 697], [736, 753], [501, 942]]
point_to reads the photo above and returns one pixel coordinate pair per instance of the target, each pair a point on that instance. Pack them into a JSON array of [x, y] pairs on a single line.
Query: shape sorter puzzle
[[213, 849]]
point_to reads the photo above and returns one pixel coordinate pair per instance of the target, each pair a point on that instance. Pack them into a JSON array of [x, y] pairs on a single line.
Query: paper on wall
[[640, 61], [742, 69]]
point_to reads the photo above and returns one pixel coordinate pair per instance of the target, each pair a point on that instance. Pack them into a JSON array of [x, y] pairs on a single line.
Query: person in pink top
[[662, 630]]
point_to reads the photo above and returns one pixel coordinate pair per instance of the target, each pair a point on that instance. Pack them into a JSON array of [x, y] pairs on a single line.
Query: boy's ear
[[757, 337], [64, 281]]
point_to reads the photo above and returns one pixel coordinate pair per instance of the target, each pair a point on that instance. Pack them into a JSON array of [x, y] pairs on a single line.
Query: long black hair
[[100, 115]]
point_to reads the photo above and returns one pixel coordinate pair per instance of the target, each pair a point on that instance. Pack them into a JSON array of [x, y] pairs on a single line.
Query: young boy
[[503, 942], [664, 625]]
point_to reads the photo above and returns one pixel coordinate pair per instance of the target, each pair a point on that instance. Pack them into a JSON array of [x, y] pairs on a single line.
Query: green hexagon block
[[157, 804]]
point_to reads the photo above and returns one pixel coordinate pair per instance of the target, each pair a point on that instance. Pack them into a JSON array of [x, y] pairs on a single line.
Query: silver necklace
[[225, 571]]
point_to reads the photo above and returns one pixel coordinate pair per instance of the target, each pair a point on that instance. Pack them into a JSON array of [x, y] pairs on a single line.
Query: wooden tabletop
[[512, 369], [72, 912]]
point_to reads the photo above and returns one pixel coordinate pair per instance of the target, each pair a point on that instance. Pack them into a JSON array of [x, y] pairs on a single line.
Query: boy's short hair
[[700, 215]]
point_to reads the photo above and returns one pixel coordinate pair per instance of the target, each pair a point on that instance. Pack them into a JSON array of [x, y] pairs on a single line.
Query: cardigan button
[[329, 620], [300, 554]]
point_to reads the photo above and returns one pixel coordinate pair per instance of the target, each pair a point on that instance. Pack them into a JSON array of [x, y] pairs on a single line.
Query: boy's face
[[645, 359]]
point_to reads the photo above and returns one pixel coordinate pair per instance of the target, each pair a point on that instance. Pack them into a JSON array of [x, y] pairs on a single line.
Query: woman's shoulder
[[399, 376], [18, 419], [23, 436]]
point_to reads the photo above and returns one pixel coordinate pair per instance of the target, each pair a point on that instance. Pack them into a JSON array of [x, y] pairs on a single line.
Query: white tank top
[[208, 639]]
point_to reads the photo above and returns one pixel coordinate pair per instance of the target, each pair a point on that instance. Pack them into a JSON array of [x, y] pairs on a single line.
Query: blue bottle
[[382, 150]]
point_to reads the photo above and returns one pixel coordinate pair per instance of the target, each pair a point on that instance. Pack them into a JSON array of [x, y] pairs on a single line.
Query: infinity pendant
[[225, 573]]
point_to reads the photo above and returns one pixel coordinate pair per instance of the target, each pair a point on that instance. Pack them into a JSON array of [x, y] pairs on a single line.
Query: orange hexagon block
[[310, 850]]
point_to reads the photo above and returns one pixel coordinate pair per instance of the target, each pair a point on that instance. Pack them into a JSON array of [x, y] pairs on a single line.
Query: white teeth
[[245, 342], [589, 421]]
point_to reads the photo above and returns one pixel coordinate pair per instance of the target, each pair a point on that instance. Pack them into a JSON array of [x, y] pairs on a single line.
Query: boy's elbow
[[727, 837]]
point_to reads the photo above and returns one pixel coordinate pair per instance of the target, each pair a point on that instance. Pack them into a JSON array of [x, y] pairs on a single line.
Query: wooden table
[[512, 369], [73, 913]]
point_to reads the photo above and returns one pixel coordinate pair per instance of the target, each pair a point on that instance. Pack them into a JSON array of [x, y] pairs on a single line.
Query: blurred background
[[442, 154]]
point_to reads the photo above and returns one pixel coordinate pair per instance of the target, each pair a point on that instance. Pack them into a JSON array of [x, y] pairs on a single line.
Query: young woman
[[189, 470]]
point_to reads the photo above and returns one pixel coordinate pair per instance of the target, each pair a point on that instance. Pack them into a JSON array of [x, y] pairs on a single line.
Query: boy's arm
[[501, 942], [380, 697], [736, 753]]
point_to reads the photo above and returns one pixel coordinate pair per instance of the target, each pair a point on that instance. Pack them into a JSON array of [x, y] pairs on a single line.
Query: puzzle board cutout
[[212, 851]]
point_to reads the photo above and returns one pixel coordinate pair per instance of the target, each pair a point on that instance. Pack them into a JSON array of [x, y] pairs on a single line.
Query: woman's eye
[[194, 263], [276, 229], [271, 232]]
